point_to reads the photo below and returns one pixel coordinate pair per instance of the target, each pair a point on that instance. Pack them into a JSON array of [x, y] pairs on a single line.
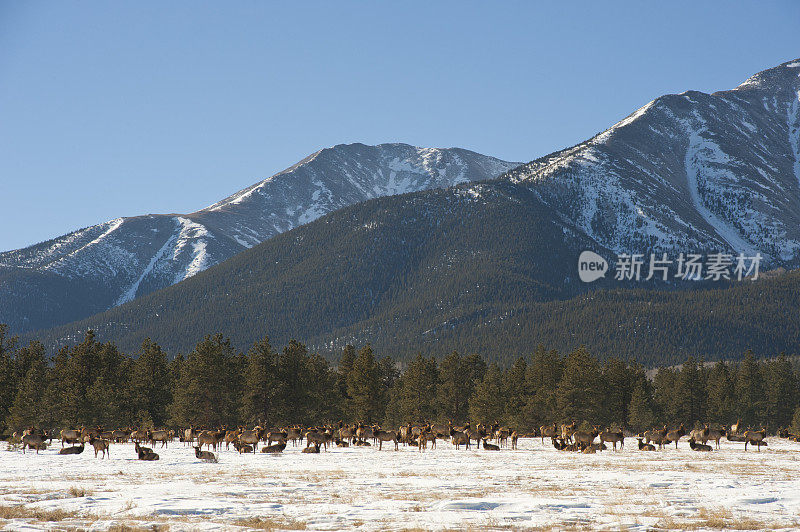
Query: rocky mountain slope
[[96, 268]]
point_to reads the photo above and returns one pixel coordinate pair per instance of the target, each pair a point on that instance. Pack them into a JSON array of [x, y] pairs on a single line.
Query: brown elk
[[189, 435], [548, 431], [33, 441], [232, 436], [459, 438], [206, 456], [70, 436], [319, 438], [646, 446], [675, 435], [490, 446], [274, 448], [75, 449], [313, 448], [613, 437], [698, 446], [514, 438], [700, 435], [364, 433], [145, 453], [567, 431], [659, 437], [208, 437], [585, 438], [294, 434], [755, 437], [252, 437], [278, 436], [162, 436], [243, 447], [100, 445], [387, 435]]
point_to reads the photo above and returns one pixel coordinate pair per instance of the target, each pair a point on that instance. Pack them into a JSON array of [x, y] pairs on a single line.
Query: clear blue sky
[[110, 109]]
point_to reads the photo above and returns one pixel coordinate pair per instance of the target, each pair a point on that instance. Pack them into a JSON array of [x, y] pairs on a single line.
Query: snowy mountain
[[102, 266], [688, 172]]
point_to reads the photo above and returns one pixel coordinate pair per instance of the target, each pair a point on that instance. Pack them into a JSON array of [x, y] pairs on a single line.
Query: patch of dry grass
[[76, 491], [270, 523], [23, 512]]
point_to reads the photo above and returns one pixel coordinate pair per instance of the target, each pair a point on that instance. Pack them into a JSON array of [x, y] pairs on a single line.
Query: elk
[[206, 456], [319, 438], [363, 433], [584, 439], [75, 449], [278, 436], [755, 437], [162, 436], [33, 441], [70, 436], [274, 448], [514, 438], [675, 435], [119, 436], [243, 447], [294, 434], [613, 437], [189, 435], [490, 446], [700, 435], [145, 453], [100, 445], [208, 437], [716, 435], [232, 436], [646, 446], [548, 431], [698, 446], [313, 448], [459, 438], [658, 437], [387, 435], [252, 437], [567, 431]]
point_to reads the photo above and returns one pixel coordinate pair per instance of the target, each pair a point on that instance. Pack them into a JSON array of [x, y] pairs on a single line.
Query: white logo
[[591, 266]]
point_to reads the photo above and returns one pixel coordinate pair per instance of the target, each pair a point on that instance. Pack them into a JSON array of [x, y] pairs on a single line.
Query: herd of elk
[[567, 436]]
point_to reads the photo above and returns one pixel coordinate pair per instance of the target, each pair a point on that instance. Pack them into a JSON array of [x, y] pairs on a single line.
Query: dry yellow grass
[[39, 514], [269, 523]]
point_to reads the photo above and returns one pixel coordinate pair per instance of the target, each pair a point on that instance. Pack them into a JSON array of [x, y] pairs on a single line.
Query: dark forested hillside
[[479, 269]]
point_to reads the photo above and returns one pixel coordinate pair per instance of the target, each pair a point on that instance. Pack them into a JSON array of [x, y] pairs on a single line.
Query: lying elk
[[613, 437], [387, 435], [243, 447], [75, 449], [755, 437], [313, 448], [100, 445], [698, 446], [206, 456], [490, 446], [274, 448], [646, 446], [145, 453]]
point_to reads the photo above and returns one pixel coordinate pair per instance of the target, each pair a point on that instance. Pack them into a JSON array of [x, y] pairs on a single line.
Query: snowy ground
[[533, 487]]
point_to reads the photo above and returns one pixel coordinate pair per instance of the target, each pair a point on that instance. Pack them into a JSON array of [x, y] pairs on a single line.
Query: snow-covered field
[[363, 488]]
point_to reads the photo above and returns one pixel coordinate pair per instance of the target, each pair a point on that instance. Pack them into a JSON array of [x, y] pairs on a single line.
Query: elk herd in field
[[564, 437]]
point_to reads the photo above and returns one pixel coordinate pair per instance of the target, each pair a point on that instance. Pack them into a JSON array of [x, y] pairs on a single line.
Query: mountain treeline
[[94, 384]]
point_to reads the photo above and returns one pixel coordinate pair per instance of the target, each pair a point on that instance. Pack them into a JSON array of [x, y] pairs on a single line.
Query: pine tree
[[453, 389], [543, 375], [259, 400], [204, 396], [619, 391], [364, 387], [641, 411], [750, 396], [28, 408], [581, 390], [7, 377], [719, 395], [417, 390], [780, 387], [150, 388], [487, 402], [516, 393], [344, 369]]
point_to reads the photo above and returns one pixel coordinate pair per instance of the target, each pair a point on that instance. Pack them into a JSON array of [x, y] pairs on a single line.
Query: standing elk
[[100, 445]]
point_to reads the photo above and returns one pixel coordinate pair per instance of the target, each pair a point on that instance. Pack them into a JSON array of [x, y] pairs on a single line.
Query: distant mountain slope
[[96, 268], [689, 172], [451, 269]]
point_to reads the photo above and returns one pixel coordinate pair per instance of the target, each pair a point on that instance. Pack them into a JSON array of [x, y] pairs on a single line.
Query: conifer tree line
[[94, 384]]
